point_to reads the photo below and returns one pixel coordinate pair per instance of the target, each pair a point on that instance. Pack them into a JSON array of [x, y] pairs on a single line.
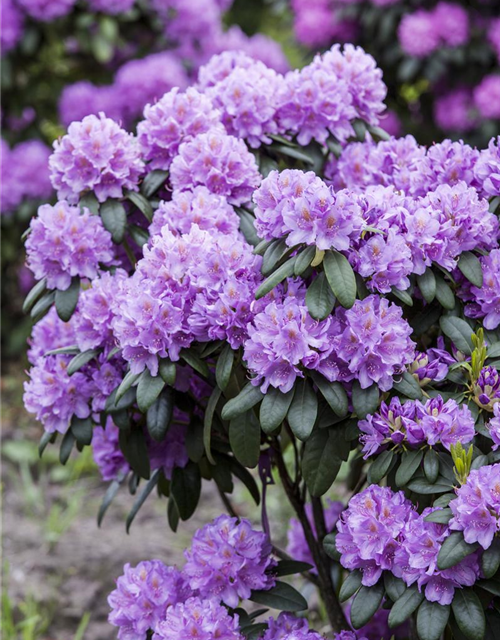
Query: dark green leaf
[[90, 202], [470, 266], [275, 251], [408, 386], [141, 203], [224, 366], [469, 614], [380, 467], [304, 259], [150, 485], [167, 371], [194, 361], [410, 462], [80, 360], [492, 586], [82, 430], [139, 236], [126, 401], [405, 606], [194, 440], [172, 514], [159, 415], [44, 441], [330, 547], [459, 333], [444, 294], [431, 466], [111, 492], [350, 585], [290, 567], [66, 301], [490, 560], [494, 350], [153, 181], [443, 516], [341, 277], [274, 408], [148, 389], [186, 489], [419, 484], [444, 500], [282, 597], [207, 422], [114, 219], [333, 392], [427, 285], [71, 350], [292, 152], [303, 410], [244, 438], [34, 295], [319, 298], [395, 587], [260, 249], [246, 477], [453, 550], [366, 602], [364, 401], [135, 451], [404, 296], [285, 271], [254, 631], [247, 398], [66, 446], [432, 619], [320, 463], [125, 385], [247, 226]]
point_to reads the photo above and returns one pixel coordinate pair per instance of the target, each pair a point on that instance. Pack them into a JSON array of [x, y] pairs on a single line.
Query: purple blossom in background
[[374, 342], [369, 531], [197, 619], [227, 560], [145, 80], [416, 561], [284, 339], [258, 46], [177, 117], [487, 388], [142, 596], [476, 509], [297, 547], [50, 333], [46, 10], [111, 6], [247, 99], [484, 302], [201, 207], [220, 162], [288, 627], [12, 26], [493, 427], [317, 23], [65, 242], [97, 155], [452, 22], [84, 98], [487, 97], [494, 36], [454, 111], [487, 168], [107, 453], [418, 33]]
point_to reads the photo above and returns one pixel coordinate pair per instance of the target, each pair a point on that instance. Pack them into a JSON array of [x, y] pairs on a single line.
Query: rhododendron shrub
[[260, 286]]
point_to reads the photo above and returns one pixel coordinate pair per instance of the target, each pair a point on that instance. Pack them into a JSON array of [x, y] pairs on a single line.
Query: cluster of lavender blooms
[[416, 424], [24, 174], [486, 388], [226, 561]]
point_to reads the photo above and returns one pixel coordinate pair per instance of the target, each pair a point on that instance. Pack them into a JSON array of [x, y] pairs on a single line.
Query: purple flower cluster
[[227, 560], [50, 333], [218, 161], [494, 36], [177, 117], [142, 596], [487, 169], [416, 561], [64, 242], [302, 207], [297, 547], [423, 32], [288, 627], [198, 286], [476, 509], [220, 66], [454, 110], [493, 427], [484, 301], [198, 620], [487, 95], [46, 10], [84, 98], [415, 423], [106, 451], [97, 155], [487, 388], [111, 6], [318, 22], [432, 365], [201, 207], [370, 531], [12, 26]]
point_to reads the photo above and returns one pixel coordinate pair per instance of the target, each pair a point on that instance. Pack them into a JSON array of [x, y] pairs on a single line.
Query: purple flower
[[65, 242], [145, 80], [50, 333], [201, 207], [476, 509], [452, 22], [487, 388], [348, 635], [487, 97], [142, 597], [374, 342], [111, 7], [297, 547], [389, 426], [487, 169], [432, 365], [370, 529], [247, 99], [107, 453], [288, 627], [493, 427], [84, 98], [418, 33], [227, 560], [12, 26], [258, 46], [171, 452], [220, 66], [196, 619], [416, 561], [494, 35], [46, 10], [177, 117], [484, 301], [97, 155], [218, 161], [454, 111]]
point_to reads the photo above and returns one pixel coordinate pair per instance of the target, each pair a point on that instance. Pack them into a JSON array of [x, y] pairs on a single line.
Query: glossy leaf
[[303, 410], [341, 278]]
